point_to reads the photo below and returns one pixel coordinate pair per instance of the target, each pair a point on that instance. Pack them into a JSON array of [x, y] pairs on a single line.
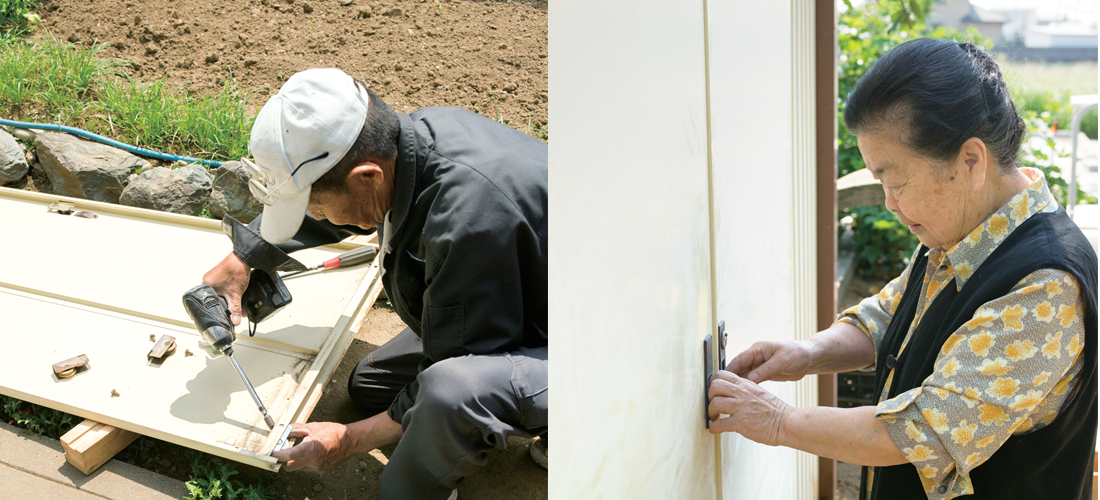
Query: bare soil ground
[[486, 56]]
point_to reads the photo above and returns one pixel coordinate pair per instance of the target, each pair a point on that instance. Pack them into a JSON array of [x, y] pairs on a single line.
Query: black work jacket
[[1054, 462], [466, 263]]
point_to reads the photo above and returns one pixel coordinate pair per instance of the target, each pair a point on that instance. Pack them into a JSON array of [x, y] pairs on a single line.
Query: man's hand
[[230, 279], [326, 445], [768, 360], [753, 412]]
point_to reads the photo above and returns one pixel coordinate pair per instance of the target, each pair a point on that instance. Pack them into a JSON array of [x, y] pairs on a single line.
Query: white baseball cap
[[299, 134]]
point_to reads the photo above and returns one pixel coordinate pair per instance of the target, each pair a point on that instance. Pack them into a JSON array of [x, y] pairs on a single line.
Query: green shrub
[[883, 245], [1039, 156], [16, 15], [37, 419]]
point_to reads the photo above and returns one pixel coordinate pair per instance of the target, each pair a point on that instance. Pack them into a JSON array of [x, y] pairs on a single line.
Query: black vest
[[1054, 462]]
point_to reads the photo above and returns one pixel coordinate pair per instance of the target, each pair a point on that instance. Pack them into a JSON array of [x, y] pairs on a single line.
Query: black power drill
[[210, 312]]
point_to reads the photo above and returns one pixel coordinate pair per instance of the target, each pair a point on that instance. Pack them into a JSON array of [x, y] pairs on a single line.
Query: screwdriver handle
[[352, 257]]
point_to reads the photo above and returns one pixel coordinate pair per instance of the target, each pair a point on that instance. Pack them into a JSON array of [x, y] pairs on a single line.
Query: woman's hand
[[769, 360], [753, 412]]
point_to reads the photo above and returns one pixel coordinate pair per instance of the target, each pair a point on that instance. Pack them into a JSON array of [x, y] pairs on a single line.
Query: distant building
[[959, 14], [1020, 33], [1060, 36]]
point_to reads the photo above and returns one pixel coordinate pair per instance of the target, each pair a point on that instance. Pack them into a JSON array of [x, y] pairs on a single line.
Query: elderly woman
[[985, 347]]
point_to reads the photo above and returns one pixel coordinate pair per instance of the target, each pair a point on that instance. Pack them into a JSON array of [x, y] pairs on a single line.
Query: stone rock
[[41, 180], [13, 162], [85, 169], [177, 190], [230, 195], [318, 487], [24, 134]]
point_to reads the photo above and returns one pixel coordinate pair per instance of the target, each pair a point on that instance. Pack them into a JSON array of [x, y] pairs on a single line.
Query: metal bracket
[[163, 348], [708, 370], [722, 339], [282, 442], [61, 208], [71, 366]]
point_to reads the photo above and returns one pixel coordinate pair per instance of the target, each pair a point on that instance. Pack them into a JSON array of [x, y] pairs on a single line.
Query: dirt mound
[[479, 55]]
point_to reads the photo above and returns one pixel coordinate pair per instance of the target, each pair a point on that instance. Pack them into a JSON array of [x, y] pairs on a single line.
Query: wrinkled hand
[[230, 279], [326, 445], [753, 412], [784, 361]]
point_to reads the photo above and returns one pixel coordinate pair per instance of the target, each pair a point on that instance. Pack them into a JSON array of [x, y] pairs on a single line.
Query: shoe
[[540, 452]]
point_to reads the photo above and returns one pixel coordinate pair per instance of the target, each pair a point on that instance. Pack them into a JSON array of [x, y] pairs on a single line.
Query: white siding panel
[[630, 264], [762, 145]]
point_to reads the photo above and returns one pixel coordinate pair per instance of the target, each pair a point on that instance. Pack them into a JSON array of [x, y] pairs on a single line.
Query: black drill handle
[[207, 308]]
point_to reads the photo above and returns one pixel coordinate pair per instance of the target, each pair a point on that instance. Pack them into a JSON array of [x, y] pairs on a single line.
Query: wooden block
[[91, 444]]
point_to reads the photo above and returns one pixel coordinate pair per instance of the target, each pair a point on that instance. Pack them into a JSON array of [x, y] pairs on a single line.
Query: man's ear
[[366, 173], [975, 160]]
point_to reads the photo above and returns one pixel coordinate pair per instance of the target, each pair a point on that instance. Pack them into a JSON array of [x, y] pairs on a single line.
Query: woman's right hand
[[230, 279], [767, 360]]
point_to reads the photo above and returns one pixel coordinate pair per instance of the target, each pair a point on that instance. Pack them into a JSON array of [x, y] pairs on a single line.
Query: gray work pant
[[464, 408]]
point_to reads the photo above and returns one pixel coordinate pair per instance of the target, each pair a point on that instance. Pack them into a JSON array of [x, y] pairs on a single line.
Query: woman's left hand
[[753, 412]]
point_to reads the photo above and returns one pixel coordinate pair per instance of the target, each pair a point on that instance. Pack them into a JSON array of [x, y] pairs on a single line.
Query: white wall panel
[[757, 62], [630, 264]]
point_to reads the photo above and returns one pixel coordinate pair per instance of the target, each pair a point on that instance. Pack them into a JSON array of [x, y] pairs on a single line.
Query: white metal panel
[[630, 270], [762, 177], [102, 286]]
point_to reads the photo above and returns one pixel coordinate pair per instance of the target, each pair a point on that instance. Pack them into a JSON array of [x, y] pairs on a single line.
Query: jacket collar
[[404, 179]]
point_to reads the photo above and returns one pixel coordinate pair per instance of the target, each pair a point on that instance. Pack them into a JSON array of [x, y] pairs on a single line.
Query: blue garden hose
[[110, 142]]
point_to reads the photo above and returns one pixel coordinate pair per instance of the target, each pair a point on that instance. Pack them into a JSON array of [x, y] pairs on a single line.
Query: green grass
[[1045, 88], [50, 81]]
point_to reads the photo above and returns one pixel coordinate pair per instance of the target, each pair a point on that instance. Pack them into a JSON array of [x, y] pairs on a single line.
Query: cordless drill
[[210, 312]]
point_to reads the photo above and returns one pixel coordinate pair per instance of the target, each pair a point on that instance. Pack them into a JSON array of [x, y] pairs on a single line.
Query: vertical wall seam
[[712, 219], [714, 229]]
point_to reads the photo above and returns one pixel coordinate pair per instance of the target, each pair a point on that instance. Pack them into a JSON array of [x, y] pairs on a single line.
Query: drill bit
[[267, 418]]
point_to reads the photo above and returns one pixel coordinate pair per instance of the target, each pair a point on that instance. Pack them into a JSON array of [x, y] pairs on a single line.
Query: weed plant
[[37, 419], [47, 80], [213, 479]]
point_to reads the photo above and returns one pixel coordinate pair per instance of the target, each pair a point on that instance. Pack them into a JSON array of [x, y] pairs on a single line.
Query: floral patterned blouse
[[1005, 372]]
